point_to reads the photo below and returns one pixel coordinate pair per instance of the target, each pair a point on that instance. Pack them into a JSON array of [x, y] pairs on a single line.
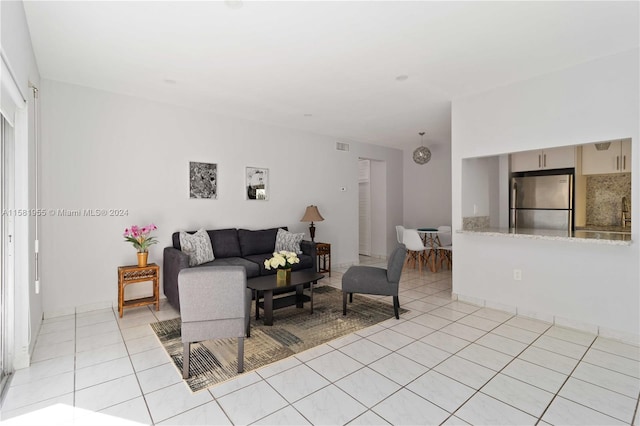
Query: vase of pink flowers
[[140, 237]]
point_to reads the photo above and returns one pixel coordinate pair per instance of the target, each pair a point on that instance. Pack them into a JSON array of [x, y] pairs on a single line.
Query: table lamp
[[312, 215]]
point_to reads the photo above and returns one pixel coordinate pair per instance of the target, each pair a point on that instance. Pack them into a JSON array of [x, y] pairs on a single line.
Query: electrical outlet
[[517, 274], [475, 209]]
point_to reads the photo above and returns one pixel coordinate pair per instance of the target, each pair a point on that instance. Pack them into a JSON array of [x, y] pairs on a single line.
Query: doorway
[[364, 206], [372, 207]]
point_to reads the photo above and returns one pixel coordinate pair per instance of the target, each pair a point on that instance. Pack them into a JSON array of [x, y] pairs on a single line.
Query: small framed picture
[[257, 183], [203, 180]]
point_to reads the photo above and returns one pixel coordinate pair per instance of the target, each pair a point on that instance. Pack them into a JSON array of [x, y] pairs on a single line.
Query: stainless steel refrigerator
[[542, 201]]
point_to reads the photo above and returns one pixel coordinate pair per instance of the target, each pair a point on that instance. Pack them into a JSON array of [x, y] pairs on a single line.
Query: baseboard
[[86, 308], [560, 321]]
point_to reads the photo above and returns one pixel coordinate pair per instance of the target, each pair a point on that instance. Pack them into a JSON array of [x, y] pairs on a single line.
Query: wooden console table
[[323, 250], [133, 274]]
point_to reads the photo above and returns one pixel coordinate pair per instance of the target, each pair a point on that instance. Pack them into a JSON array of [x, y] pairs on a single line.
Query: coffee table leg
[[268, 307], [311, 295], [299, 301], [257, 304]]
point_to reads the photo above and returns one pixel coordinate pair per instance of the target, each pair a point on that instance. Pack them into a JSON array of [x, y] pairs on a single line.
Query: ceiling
[[326, 67]]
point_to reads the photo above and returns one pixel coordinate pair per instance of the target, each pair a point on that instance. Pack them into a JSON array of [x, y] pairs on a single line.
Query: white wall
[[16, 46], [102, 150], [427, 189], [476, 187], [581, 284]]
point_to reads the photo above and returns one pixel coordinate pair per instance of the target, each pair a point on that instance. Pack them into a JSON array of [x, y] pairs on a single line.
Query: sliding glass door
[[6, 249]]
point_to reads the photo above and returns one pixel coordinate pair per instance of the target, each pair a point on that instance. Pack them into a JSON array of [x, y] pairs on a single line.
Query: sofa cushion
[[197, 246], [288, 241], [251, 267], [257, 242], [225, 243]]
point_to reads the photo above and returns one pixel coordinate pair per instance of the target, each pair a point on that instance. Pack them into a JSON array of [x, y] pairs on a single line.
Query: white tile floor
[[443, 362]]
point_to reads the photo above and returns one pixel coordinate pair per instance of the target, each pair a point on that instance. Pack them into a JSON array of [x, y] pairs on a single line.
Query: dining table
[[432, 242]]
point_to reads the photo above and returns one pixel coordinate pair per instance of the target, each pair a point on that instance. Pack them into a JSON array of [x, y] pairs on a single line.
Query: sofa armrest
[[309, 248], [173, 262]]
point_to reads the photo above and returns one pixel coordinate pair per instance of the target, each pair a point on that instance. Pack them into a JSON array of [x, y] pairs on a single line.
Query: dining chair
[[399, 233], [445, 250], [415, 248]]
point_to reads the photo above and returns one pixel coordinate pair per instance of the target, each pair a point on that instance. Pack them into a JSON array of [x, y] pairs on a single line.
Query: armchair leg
[[186, 352], [240, 354], [350, 297], [344, 303], [396, 306]]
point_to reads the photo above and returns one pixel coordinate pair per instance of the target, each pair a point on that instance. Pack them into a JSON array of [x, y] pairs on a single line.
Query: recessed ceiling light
[[170, 81], [402, 77], [234, 4]]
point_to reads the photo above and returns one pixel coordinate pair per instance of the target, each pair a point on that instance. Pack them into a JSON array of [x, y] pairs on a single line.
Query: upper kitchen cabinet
[[606, 157], [543, 159]]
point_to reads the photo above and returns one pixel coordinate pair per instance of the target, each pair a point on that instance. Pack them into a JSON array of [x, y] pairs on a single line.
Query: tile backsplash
[[475, 223], [604, 198]]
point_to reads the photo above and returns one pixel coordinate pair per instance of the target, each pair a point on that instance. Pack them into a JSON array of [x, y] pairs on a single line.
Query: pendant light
[[422, 154]]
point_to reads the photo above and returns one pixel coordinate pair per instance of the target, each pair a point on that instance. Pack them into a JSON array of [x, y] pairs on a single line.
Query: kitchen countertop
[[581, 236]]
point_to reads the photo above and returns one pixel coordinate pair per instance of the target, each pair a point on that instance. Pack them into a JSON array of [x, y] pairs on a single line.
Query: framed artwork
[[257, 183], [203, 180]]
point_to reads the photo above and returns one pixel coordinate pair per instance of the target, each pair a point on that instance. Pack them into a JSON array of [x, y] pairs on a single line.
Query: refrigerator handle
[[617, 162], [514, 198], [539, 160]]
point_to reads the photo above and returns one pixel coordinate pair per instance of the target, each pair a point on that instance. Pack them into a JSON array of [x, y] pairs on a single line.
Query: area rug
[[293, 331]]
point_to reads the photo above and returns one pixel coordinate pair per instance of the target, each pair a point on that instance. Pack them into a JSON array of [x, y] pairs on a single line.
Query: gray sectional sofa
[[231, 247]]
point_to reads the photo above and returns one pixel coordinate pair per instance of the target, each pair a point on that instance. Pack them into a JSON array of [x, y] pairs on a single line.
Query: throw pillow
[[197, 246], [288, 241]]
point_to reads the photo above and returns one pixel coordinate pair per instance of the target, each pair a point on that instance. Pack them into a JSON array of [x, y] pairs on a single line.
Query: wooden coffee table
[[268, 283]]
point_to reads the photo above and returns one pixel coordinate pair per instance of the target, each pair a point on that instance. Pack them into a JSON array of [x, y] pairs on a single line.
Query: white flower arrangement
[[282, 260]]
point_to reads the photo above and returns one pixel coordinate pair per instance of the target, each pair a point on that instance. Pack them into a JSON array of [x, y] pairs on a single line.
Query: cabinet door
[[596, 162], [526, 161], [625, 162], [559, 158]]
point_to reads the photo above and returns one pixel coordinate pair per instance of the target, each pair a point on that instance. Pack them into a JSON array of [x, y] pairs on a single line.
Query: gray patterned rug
[[293, 331]]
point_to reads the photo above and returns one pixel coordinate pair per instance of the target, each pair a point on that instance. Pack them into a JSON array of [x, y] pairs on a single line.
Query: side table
[[323, 250], [133, 274]]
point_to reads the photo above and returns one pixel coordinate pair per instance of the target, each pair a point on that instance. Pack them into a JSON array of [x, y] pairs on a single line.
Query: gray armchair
[[372, 280], [214, 303]]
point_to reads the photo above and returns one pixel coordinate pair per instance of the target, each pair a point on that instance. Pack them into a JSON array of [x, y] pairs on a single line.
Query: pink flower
[[140, 236]]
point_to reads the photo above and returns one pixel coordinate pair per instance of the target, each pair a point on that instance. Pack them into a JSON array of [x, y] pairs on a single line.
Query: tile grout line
[[565, 382], [135, 373], [635, 413], [497, 373], [330, 382]]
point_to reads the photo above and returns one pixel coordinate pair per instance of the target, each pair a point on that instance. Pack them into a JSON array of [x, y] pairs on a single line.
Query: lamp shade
[[312, 215]]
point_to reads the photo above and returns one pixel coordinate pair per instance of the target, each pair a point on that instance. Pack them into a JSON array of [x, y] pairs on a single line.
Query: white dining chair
[[445, 249], [415, 248], [399, 233]]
